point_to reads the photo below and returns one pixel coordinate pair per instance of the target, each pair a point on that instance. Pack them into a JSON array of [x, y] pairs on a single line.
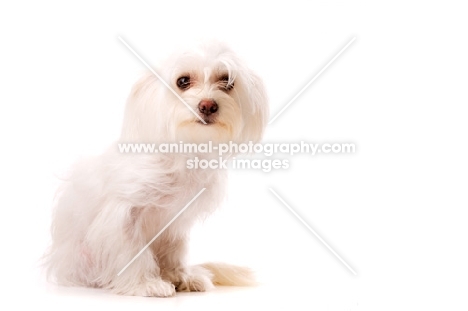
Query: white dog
[[111, 206]]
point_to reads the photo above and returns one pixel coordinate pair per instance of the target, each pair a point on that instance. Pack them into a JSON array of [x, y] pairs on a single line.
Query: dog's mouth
[[208, 120]]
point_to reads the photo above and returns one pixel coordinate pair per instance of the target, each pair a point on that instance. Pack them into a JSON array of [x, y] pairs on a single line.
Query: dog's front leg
[[186, 278]]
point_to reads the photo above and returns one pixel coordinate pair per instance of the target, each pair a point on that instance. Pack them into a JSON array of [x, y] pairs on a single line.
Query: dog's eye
[[224, 81], [183, 83]]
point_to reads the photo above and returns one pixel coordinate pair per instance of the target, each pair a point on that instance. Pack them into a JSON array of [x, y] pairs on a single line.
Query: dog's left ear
[[254, 105]]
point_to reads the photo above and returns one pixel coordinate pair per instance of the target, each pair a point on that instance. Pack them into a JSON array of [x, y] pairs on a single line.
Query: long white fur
[[113, 204]]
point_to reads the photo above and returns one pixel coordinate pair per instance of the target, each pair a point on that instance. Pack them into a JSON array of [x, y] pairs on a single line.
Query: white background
[[395, 210]]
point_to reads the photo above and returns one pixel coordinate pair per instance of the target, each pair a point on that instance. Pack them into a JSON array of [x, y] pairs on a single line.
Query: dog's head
[[204, 94]]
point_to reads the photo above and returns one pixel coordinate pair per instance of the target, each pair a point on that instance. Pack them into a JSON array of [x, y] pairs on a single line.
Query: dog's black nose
[[207, 106]]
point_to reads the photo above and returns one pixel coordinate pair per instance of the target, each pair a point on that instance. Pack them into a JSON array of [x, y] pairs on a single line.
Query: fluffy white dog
[[112, 205]]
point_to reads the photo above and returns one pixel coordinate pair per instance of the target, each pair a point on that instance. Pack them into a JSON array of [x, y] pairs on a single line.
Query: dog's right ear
[[139, 123]]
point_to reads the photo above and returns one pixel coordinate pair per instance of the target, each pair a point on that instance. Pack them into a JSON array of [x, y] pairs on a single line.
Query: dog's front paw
[[193, 282], [190, 279], [159, 288], [151, 288]]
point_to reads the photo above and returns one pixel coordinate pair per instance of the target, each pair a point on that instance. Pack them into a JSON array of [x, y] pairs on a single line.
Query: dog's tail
[[230, 275]]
